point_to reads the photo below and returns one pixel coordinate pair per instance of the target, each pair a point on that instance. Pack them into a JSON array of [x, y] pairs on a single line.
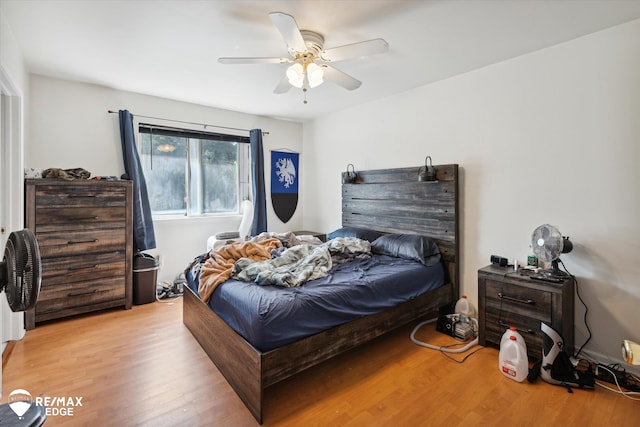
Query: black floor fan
[[20, 277], [20, 270]]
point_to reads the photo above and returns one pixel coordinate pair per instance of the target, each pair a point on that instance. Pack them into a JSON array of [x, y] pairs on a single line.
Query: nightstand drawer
[[519, 300], [496, 323]]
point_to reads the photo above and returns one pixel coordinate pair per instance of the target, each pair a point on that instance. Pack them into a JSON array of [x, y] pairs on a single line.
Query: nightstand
[[508, 298]]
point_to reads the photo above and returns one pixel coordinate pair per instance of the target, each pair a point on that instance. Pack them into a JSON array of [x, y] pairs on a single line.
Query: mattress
[[271, 316]]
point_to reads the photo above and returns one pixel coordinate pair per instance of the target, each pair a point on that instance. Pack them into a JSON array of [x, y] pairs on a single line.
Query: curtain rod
[[188, 123]]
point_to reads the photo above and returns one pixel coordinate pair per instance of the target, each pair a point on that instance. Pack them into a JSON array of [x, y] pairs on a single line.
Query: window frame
[[195, 131]]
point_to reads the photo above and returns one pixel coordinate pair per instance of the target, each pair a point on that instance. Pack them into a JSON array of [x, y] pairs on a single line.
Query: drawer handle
[[81, 196], [521, 301], [77, 294], [82, 267], [74, 242], [88, 218], [504, 325]]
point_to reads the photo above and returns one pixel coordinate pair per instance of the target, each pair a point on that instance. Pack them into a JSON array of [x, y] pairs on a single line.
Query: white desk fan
[[548, 244]]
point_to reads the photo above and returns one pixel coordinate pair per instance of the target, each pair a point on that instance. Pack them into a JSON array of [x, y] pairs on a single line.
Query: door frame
[[11, 188]]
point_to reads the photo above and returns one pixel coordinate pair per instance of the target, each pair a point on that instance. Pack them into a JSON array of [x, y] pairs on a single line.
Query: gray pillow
[[358, 232], [408, 246]]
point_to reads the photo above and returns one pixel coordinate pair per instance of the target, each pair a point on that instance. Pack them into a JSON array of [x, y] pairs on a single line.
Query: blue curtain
[[143, 234], [257, 177]]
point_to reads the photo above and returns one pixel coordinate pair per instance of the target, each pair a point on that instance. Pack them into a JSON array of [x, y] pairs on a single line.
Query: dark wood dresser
[[84, 231], [507, 298]]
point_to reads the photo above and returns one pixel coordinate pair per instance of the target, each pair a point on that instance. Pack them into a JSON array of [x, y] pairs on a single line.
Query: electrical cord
[[611, 372], [619, 390], [586, 309], [445, 354]]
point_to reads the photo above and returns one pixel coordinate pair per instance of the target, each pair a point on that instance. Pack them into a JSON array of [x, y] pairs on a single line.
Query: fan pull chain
[[304, 89]]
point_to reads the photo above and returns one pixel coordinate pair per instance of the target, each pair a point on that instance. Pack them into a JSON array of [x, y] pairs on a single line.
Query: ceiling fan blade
[[355, 50], [336, 76], [287, 26], [283, 86], [252, 60]]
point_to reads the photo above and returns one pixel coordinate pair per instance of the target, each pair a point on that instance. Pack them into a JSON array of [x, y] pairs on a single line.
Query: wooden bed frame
[[389, 200]]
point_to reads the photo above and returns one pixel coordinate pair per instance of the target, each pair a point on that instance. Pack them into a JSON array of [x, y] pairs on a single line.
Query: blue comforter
[[271, 316]]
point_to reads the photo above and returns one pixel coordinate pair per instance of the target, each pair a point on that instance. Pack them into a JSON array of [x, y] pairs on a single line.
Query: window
[[193, 173]]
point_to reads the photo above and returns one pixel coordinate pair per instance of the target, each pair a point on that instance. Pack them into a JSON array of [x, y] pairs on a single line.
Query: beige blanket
[[218, 267]]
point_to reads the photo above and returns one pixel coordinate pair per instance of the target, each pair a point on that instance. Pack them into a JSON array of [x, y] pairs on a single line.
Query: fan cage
[[548, 244], [22, 262]]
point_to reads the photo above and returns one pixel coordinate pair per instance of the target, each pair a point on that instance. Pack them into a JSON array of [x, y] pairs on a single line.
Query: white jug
[[513, 361], [513, 331], [464, 306]]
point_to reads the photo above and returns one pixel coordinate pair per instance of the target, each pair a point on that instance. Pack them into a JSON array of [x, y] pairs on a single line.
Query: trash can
[[145, 273]]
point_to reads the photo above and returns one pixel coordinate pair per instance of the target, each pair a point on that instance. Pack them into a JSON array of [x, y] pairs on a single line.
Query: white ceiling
[[170, 48]]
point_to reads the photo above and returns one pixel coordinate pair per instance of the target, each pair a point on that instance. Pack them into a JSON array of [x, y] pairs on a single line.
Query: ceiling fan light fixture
[[295, 74], [315, 75], [305, 47]]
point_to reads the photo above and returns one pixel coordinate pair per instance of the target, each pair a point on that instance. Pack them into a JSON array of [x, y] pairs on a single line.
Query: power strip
[[606, 373]]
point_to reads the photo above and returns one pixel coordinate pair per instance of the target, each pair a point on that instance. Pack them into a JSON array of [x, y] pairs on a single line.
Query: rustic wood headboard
[[394, 201]]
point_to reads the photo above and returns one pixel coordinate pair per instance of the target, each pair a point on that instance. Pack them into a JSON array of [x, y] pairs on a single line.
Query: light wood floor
[[143, 367]]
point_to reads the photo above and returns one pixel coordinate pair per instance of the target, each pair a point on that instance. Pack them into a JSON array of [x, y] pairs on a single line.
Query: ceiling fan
[[310, 62]]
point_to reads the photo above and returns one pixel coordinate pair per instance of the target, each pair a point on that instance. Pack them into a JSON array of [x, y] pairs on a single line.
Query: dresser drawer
[[51, 218], [76, 298], [61, 243], [70, 269], [79, 196]]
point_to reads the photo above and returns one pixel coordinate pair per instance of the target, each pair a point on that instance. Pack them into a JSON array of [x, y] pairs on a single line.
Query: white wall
[[11, 59], [70, 127], [549, 137]]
